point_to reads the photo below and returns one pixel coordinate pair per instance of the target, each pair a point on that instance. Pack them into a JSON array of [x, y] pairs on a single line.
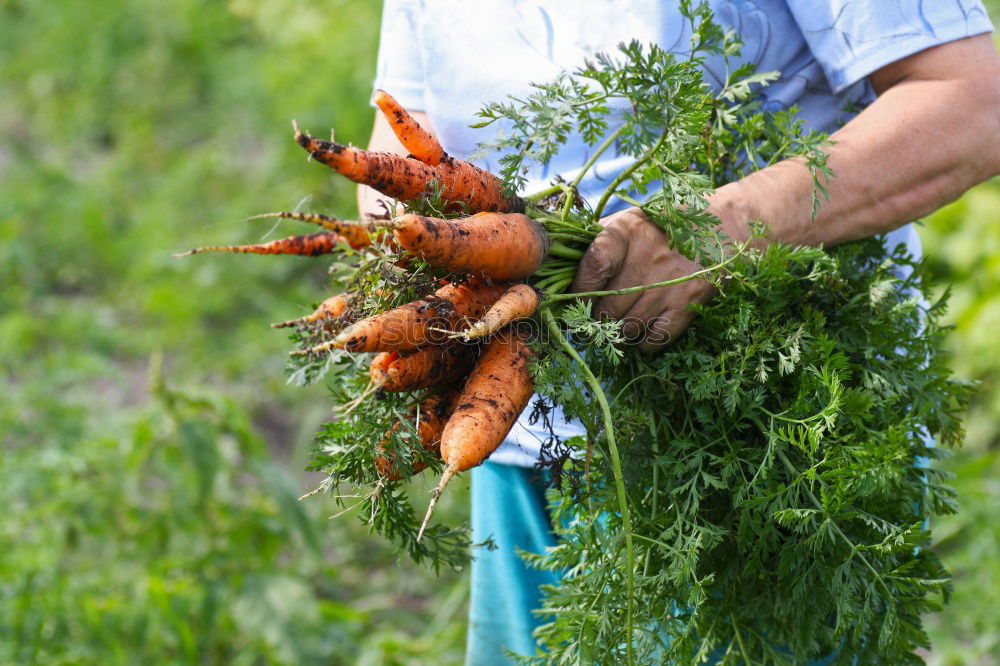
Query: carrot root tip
[[447, 332], [477, 330], [319, 349], [263, 215], [446, 476]]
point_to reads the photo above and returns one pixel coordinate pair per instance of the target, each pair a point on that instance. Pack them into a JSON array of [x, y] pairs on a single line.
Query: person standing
[[909, 90]]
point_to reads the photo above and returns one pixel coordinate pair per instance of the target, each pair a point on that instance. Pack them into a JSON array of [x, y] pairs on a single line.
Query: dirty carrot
[[518, 302], [407, 178], [427, 367], [413, 325], [331, 308], [421, 143], [309, 245], [380, 366], [356, 234], [430, 417], [496, 392], [502, 246]]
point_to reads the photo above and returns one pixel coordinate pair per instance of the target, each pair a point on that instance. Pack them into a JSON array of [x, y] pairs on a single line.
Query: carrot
[[427, 367], [496, 392], [421, 143], [502, 246], [380, 366], [413, 325], [408, 178], [356, 234], [331, 308], [310, 245], [430, 417], [518, 302]]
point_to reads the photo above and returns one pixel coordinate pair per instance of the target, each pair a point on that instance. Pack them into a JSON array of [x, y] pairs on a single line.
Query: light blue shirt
[[449, 57]]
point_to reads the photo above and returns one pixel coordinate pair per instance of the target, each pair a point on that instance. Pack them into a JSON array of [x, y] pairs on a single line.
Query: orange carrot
[[380, 366], [356, 234], [426, 367], [502, 246], [407, 178], [331, 308], [414, 138], [413, 325], [430, 417], [310, 245], [496, 392], [518, 302]]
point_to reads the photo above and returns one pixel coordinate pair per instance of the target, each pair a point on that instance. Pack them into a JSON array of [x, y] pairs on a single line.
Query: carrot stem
[[558, 249], [597, 154], [551, 268], [558, 235], [616, 466], [645, 287], [627, 172], [559, 286], [571, 189], [541, 194], [556, 224], [550, 280], [570, 192]]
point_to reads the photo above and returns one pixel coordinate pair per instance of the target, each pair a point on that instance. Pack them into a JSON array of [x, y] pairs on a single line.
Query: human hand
[[632, 251]]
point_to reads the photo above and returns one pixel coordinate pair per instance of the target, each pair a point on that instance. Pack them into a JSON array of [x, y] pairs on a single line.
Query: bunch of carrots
[[460, 341]]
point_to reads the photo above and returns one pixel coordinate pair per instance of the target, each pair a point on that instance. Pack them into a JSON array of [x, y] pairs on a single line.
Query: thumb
[[602, 261]]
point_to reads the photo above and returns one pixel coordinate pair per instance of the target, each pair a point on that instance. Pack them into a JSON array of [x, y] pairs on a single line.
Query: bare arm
[[933, 132], [370, 202]]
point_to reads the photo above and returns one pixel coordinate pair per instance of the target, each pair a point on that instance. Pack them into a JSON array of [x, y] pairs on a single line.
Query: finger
[[665, 329], [645, 309], [602, 260], [614, 307]]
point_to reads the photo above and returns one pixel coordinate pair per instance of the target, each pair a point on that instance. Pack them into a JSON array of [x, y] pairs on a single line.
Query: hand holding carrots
[[632, 251]]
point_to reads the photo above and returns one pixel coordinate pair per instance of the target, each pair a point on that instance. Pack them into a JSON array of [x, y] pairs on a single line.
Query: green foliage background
[[150, 451]]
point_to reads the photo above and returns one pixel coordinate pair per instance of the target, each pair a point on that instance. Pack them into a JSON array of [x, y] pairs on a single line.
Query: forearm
[[920, 145]]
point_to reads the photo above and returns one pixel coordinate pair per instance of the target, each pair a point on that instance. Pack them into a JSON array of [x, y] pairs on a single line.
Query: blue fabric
[[433, 57], [852, 38], [508, 506]]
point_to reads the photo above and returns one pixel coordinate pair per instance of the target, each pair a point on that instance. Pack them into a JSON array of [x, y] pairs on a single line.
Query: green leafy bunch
[[756, 493], [774, 461]]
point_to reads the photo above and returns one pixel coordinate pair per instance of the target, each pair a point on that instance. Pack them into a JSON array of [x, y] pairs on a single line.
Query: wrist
[[734, 211], [779, 197]]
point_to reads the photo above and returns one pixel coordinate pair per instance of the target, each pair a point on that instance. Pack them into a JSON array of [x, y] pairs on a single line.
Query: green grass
[[963, 242], [151, 514], [155, 520]]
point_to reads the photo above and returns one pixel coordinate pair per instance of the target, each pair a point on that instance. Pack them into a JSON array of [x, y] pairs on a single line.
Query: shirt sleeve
[[400, 69], [852, 38]]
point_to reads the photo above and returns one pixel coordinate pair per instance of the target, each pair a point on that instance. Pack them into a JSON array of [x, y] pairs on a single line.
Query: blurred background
[[151, 454]]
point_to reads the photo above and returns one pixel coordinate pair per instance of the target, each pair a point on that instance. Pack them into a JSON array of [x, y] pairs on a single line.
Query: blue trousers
[[508, 506]]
